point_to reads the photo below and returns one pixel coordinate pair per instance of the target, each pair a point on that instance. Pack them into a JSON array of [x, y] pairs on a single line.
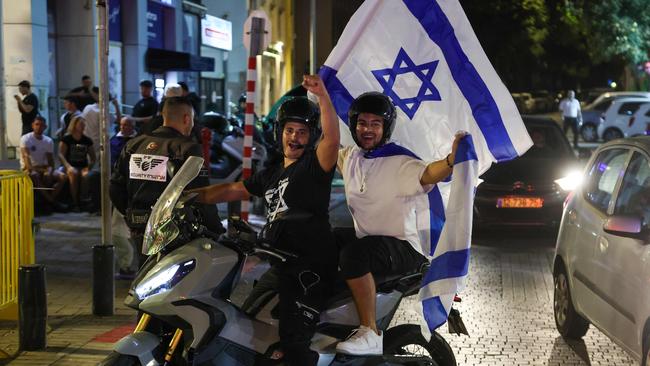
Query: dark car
[[529, 190]]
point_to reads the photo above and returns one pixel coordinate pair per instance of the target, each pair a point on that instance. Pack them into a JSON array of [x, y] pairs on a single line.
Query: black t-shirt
[[77, 153], [28, 117], [83, 97], [304, 186], [145, 107]]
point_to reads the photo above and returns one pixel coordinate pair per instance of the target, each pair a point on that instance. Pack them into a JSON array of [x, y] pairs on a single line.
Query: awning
[[159, 60]]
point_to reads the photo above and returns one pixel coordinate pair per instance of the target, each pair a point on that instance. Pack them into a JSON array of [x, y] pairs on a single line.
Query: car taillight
[[631, 122]]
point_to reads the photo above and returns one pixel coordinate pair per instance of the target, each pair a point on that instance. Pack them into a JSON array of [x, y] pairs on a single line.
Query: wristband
[[448, 163]]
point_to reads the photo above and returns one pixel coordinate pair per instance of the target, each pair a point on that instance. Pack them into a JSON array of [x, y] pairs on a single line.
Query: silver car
[[602, 258], [592, 113]]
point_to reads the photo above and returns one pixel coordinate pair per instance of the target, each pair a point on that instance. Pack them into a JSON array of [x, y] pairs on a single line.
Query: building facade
[[53, 43]]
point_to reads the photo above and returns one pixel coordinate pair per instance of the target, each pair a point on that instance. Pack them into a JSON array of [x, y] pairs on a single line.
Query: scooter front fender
[[141, 345]]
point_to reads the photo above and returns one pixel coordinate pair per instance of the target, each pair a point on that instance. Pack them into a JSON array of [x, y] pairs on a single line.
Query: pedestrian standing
[[145, 109], [571, 115], [27, 105]]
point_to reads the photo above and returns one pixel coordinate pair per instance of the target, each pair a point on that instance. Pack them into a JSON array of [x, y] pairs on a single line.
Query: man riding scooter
[[302, 180], [380, 177]]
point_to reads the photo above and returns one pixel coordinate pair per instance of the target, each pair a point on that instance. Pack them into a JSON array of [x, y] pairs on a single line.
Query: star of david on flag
[[425, 56], [404, 65]]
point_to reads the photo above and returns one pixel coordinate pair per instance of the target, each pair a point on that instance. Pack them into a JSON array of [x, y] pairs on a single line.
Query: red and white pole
[[249, 126]]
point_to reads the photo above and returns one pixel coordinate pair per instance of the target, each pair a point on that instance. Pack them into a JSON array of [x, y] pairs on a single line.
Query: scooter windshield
[[160, 229]]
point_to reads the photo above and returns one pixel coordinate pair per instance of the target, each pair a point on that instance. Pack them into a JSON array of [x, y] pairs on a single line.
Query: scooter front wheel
[[118, 359], [407, 340]]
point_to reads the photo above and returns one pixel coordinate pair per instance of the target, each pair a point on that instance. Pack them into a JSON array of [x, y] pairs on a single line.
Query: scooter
[[185, 294]]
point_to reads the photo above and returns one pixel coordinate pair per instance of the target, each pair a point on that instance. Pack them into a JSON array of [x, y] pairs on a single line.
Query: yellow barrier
[[16, 236]]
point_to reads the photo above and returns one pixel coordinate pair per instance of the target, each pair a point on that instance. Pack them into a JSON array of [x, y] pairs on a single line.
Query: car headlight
[[164, 280], [571, 181]]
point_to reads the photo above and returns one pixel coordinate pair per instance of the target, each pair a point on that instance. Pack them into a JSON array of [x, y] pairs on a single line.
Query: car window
[[548, 142], [602, 177], [629, 108], [634, 196]]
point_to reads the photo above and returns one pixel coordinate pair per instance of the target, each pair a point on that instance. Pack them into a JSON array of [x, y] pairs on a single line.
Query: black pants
[[572, 123], [376, 255], [303, 290]]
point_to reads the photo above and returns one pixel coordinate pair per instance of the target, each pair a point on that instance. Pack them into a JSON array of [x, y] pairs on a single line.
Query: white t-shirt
[[380, 193], [570, 108], [38, 149], [91, 115]]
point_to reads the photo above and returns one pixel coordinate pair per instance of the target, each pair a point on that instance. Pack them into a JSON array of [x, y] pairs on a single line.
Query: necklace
[[364, 174]]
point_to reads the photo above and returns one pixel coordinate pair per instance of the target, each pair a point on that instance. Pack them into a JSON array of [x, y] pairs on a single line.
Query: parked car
[[529, 190], [592, 113], [639, 123], [524, 102], [615, 121], [601, 268], [543, 101]]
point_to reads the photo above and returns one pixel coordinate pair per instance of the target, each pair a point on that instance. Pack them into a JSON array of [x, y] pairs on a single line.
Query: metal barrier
[[16, 236]]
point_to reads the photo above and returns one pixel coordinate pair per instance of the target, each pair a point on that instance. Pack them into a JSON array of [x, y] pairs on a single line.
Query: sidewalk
[[75, 336]]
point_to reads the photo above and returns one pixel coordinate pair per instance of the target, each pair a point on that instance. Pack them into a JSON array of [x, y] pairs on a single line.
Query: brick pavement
[[507, 306], [508, 310], [64, 245]]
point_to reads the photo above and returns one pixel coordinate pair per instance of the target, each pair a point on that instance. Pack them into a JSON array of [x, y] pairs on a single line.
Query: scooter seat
[[384, 283]]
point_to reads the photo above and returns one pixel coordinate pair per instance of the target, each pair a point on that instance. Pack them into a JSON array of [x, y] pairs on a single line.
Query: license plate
[[520, 202]]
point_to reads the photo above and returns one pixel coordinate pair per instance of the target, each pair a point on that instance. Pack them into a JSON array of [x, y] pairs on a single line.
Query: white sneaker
[[362, 342]]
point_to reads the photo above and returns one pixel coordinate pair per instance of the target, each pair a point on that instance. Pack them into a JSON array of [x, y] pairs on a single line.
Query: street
[[508, 309], [507, 305]]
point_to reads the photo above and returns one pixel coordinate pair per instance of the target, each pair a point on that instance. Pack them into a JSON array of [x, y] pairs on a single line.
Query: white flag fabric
[[425, 56]]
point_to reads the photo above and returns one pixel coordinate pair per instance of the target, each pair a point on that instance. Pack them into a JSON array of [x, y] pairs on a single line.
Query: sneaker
[[362, 342]]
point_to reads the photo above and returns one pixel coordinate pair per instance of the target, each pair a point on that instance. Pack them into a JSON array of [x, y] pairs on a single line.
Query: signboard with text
[[216, 32], [155, 25]]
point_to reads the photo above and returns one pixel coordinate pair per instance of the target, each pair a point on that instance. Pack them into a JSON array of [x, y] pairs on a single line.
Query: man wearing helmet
[[300, 182], [381, 178]]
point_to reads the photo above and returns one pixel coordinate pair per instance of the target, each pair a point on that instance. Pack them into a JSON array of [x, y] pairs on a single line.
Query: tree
[[512, 34], [620, 31]]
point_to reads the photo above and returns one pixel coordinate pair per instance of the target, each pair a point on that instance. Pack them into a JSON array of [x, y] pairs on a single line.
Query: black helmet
[[301, 110], [375, 103], [242, 98]]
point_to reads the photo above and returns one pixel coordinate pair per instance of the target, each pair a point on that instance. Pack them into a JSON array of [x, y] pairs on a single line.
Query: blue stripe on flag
[[465, 151], [434, 312], [339, 95], [436, 217], [389, 149], [448, 265], [484, 109]]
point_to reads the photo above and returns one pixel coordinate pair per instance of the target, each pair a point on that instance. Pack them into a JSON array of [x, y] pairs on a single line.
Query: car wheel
[[568, 322], [589, 132], [612, 134]]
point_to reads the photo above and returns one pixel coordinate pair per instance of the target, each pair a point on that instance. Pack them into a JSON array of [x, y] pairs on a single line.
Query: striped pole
[[249, 125]]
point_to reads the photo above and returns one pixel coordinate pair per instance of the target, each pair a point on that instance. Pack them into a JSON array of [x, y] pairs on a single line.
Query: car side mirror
[[626, 226]]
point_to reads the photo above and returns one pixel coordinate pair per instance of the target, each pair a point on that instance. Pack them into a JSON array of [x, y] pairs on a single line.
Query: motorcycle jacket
[[144, 168]]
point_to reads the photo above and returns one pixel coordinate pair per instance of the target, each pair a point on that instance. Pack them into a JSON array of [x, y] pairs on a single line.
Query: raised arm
[[439, 170], [328, 148]]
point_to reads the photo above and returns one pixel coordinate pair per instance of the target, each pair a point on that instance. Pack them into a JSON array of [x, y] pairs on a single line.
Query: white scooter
[[184, 292]]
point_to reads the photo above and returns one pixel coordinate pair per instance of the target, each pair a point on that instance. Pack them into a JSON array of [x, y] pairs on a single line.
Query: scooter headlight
[[164, 279]]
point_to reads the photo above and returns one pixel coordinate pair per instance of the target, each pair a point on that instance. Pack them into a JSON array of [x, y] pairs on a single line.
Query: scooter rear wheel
[[406, 339], [118, 359]]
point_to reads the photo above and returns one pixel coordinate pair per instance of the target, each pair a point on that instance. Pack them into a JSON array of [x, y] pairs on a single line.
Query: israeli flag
[[425, 56]]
